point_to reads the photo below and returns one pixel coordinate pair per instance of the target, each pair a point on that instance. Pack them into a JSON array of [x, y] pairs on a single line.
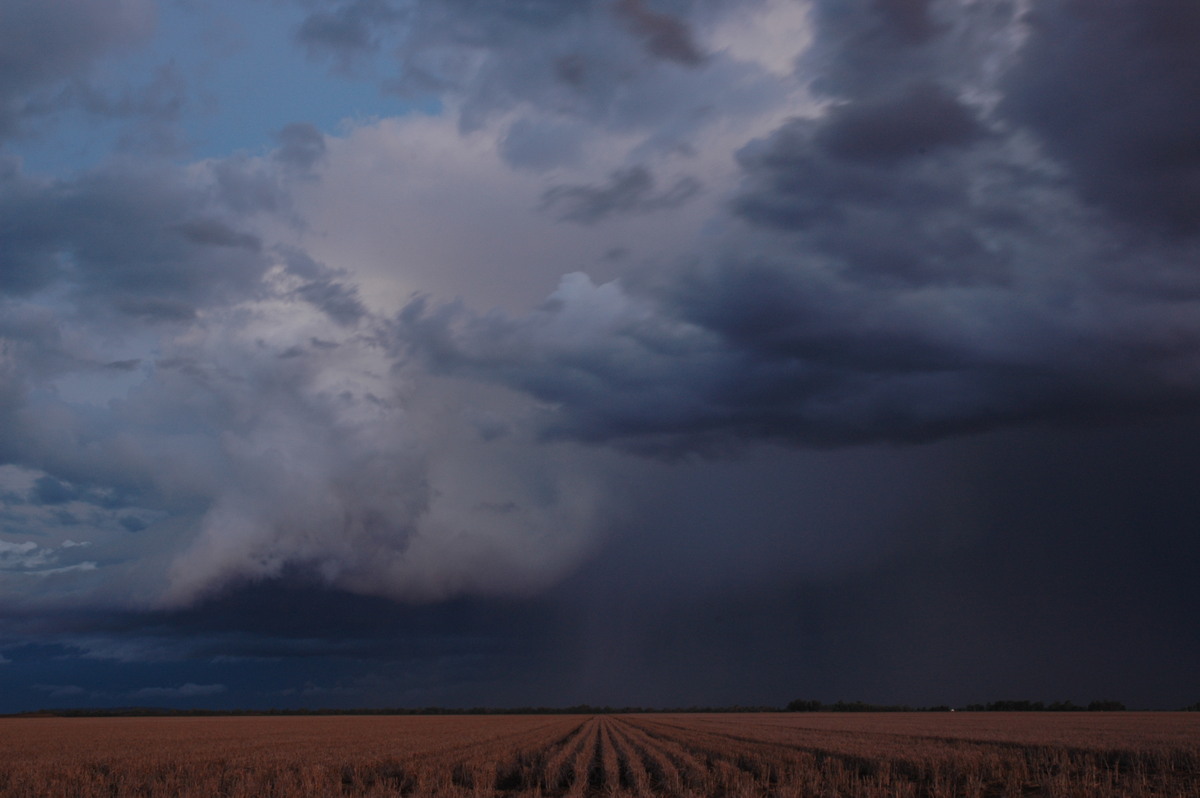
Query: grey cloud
[[137, 236], [338, 300], [925, 118], [571, 69], [132, 523], [154, 309], [629, 190], [348, 30], [542, 144], [558, 64], [303, 265], [214, 232], [665, 36], [910, 20], [48, 490], [44, 44], [247, 187], [124, 365], [326, 289], [1110, 87], [301, 146], [61, 690], [28, 261], [188, 690], [867, 47], [31, 341], [161, 99]]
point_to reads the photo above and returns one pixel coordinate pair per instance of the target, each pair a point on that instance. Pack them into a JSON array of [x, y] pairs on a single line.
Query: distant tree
[[1064, 706], [1192, 707], [800, 705], [1016, 706], [1106, 706]]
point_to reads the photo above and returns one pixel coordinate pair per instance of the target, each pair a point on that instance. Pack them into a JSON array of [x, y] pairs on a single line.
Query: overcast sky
[[658, 352]]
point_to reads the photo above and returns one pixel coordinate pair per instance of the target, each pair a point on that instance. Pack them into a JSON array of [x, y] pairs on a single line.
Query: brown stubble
[[988, 755]]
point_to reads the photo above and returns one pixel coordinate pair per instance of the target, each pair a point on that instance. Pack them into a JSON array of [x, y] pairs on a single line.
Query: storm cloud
[[913, 286], [621, 348]]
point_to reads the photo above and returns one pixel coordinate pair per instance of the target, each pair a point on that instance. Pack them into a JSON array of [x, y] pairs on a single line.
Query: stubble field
[[817, 754]]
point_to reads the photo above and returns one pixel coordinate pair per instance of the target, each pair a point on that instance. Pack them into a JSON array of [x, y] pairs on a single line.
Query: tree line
[[801, 705], [798, 705]]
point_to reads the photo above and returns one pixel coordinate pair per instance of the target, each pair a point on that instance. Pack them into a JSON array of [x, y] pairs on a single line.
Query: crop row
[[577, 756]]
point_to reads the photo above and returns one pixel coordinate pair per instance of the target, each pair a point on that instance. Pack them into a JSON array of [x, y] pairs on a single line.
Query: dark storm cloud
[[922, 120], [914, 272], [865, 48], [629, 190], [292, 643], [909, 20], [863, 45], [748, 352], [947, 591], [665, 36], [884, 190], [1109, 87], [916, 256]]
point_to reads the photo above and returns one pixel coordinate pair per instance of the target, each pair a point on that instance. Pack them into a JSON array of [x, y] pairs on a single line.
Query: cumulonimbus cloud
[[920, 249]]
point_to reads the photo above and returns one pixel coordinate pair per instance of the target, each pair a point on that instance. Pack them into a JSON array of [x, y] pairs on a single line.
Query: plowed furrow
[[634, 776], [558, 767], [575, 772], [728, 762], [678, 764], [771, 762], [664, 774], [610, 767]]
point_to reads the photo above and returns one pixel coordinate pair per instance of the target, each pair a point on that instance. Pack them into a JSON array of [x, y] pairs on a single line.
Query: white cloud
[[773, 35], [30, 558]]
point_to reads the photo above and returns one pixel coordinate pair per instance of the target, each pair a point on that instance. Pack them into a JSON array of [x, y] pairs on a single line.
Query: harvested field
[[918, 754]]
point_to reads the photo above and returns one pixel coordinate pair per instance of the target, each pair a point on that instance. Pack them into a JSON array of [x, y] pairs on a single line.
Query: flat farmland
[[786, 754]]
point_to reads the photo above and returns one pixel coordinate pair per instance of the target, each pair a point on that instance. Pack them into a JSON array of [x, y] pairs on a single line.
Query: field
[[786, 754]]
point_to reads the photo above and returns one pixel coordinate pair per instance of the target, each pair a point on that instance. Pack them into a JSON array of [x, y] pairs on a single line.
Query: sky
[[370, 353]]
